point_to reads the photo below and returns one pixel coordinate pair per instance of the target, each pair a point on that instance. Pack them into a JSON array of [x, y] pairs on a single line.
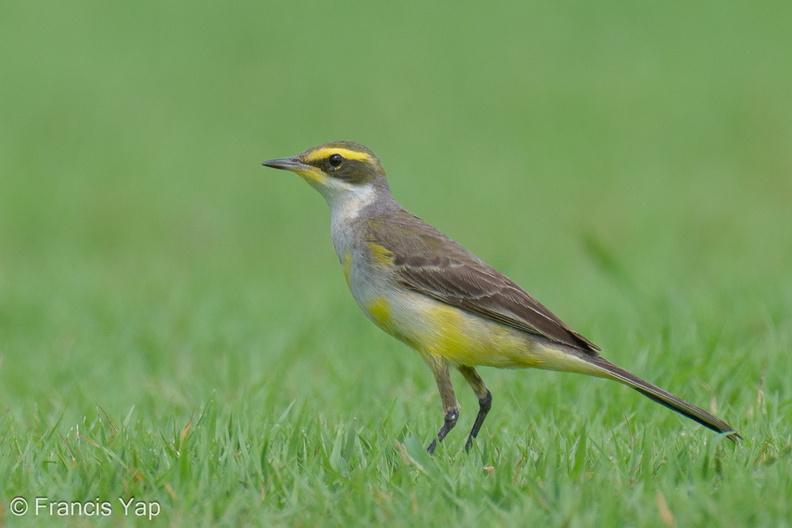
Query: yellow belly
[[465, 339], [460, 338]]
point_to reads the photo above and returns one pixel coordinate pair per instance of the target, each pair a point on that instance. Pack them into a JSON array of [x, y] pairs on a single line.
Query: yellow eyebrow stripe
[[326, 152]]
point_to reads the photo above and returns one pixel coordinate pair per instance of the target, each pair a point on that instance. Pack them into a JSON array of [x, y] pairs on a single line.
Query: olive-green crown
[[345, 160]]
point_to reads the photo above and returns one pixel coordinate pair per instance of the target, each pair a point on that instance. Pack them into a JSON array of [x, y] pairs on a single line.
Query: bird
[[426, 290]]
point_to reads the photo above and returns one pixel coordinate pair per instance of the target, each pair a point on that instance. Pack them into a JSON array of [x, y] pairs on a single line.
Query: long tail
[[665, 398]]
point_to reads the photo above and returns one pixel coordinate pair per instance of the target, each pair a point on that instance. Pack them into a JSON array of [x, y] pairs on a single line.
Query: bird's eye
[[335, 160]]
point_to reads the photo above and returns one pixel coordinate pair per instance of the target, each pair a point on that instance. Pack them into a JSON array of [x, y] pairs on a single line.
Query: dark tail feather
[[666, 398]]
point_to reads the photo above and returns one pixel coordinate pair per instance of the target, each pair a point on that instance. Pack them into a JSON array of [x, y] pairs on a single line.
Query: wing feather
[[428, 262]]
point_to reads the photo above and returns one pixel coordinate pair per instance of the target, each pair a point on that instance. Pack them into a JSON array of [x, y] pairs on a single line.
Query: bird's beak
[[308, 172], [290, 164]]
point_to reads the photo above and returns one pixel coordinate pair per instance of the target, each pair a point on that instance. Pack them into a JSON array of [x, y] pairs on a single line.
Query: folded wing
[[430, 263]]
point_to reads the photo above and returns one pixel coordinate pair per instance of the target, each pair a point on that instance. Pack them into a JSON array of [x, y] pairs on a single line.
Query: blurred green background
[[630, 164]]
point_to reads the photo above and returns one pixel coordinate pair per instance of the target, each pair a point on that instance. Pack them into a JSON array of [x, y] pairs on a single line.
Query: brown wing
[[432, 264]]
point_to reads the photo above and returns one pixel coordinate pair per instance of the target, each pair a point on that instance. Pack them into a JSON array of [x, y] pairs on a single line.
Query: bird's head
[[340, 171]]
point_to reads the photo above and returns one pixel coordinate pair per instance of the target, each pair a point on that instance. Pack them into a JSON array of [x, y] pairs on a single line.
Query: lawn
[[177, 344]]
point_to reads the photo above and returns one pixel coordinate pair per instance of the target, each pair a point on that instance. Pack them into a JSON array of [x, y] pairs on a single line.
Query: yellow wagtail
[[428, 291]]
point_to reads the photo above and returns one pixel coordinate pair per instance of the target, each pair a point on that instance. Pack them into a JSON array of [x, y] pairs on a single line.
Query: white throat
[[346, 204]]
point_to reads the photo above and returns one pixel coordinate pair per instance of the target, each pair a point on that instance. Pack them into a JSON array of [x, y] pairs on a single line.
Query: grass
[[174, 326]]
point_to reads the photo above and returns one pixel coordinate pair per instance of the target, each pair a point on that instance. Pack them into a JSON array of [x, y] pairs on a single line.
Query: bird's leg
[[447, 396], [484, 397]]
